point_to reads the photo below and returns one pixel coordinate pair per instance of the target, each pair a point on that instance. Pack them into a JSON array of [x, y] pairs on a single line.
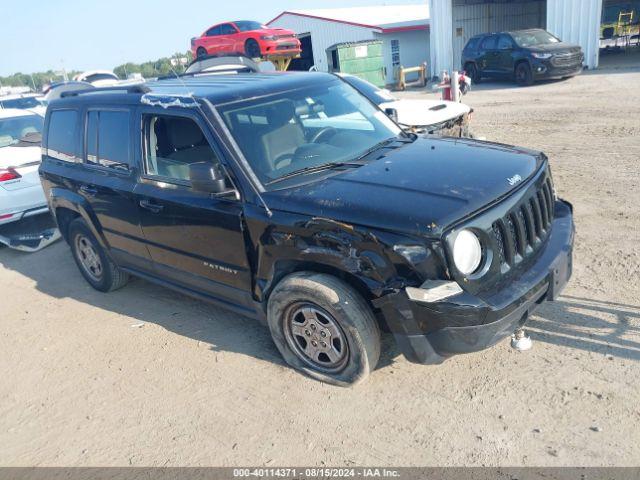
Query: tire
[[94, 264], [472, 71], [252, 49], [524, 75], [201, 52], [319, 307]]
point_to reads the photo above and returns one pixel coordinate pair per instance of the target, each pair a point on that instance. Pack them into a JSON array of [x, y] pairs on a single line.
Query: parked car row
[[293, 199]]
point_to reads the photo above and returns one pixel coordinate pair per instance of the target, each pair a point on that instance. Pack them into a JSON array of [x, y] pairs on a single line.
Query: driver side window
[[171, 144]]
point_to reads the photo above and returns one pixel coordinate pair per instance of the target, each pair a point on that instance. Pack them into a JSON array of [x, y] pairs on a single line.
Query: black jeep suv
[[526, 55], [293, 199]]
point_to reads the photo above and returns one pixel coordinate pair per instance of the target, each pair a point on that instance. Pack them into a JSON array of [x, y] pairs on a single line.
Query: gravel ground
[[145, 376]]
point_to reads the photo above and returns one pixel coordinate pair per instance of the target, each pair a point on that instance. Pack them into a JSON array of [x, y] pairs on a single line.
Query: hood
[[275, 31], [420, 188], [420, 113], [560, 47], [17, 156]]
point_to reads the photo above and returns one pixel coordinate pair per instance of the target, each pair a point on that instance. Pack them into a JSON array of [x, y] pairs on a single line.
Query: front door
[[489, 57], [195, 239], [504, 64]]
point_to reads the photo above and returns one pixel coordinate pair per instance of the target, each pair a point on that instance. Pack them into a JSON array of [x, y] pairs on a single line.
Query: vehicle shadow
[[578, 323], [593, 325], [55, 274]]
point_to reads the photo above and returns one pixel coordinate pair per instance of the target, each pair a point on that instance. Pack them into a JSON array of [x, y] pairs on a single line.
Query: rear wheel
[[472, 72], [251, 48], [324, 328], [524, 75], [94, 264], [201, 52]]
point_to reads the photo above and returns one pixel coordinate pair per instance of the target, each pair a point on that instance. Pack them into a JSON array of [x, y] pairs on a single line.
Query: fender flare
[[63, 198]]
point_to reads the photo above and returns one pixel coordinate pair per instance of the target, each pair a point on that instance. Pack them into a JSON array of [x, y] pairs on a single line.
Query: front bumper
[[464, 323], [286, 46], [545, 70]]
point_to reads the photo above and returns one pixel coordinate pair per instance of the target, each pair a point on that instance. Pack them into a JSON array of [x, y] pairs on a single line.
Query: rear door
[[107, 182], [195, 239]]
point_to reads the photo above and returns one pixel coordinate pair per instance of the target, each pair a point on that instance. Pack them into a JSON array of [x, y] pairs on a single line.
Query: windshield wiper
[[383, 144], [315, 168]]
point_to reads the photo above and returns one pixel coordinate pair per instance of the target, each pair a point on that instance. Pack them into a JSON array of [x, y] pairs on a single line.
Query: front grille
[[566, 59], [522, 231]]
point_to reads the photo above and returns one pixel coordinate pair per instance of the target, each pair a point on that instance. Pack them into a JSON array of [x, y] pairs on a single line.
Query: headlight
[[268, 37], [542, 56], [467, 252]]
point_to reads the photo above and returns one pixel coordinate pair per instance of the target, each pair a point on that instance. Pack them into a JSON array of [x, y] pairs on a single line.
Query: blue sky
[[86, 34]]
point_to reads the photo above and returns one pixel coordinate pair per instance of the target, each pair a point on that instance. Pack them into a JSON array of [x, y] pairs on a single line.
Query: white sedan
[[420, 116], [22, 201]]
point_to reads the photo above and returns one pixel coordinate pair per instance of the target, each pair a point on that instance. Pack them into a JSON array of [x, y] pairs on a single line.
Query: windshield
[[247, 26], [306, 128], [15, 128], [369, 90], [531, 38], [22, 102]]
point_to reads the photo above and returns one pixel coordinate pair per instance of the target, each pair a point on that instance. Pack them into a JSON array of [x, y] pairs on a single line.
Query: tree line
[[155, 68]]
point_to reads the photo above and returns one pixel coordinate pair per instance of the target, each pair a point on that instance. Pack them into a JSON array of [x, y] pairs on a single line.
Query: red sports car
[[245, 37]]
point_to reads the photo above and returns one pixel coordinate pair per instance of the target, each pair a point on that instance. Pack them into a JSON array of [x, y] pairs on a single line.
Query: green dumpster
[[362, 59]]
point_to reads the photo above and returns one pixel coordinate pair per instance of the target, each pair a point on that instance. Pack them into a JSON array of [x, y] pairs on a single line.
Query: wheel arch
[[67, 206], [284, 268], [519, 62]]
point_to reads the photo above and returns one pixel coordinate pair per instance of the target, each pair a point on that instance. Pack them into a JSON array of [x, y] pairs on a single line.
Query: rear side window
[[108, 139], [489, 43], [61, 137]]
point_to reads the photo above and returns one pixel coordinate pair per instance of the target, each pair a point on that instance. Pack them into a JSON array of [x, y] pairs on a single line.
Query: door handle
[[89, 190], [151, 206]]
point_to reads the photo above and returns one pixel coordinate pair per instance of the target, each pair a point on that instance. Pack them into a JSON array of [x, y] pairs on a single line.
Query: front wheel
[[472, 71], [201, 52], [324, 328], [252, 49], [524, 75]]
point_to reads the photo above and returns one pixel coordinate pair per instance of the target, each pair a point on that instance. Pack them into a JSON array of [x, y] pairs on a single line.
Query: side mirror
[[392, 113], [206, 177]]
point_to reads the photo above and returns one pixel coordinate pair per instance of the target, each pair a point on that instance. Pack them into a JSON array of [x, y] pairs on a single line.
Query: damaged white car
[[439, 117], [25, 222]]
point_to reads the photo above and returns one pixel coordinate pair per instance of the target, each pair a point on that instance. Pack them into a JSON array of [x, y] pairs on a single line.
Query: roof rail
[[126, 88]]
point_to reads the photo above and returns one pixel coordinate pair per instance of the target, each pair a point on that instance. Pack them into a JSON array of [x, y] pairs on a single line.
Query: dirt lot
[[144, 376]]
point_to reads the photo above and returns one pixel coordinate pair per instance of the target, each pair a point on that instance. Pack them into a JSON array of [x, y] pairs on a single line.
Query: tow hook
[[520, 341]]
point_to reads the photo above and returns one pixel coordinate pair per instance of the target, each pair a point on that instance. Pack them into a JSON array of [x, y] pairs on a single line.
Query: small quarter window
[[172, 143], [61, 138]]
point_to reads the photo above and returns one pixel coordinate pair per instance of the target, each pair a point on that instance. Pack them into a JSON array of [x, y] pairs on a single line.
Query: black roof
[[217, 88], [507, 31]]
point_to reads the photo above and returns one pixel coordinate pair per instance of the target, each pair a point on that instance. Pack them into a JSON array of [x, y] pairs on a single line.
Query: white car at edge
[[21, 193], [418, 115]]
